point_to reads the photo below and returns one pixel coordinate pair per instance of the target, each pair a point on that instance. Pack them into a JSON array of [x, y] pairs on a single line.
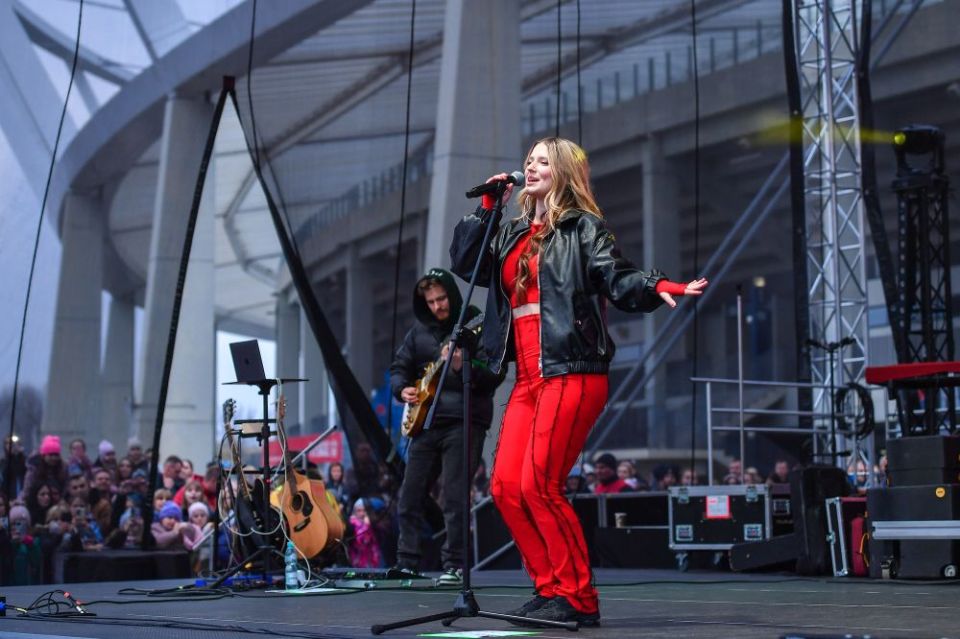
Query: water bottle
[[290, 567]]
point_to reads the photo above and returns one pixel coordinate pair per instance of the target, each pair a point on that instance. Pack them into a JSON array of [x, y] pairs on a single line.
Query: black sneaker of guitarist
[[436, 453]]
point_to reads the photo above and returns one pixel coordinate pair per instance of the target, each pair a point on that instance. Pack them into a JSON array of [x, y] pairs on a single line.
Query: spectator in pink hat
[[46, 467]]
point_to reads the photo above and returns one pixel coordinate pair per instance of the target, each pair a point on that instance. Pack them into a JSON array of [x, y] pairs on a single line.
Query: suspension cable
[[696, 238], [403, 201], [36, 240]]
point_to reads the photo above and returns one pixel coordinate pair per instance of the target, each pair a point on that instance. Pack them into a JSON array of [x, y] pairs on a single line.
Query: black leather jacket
[[580, 268]]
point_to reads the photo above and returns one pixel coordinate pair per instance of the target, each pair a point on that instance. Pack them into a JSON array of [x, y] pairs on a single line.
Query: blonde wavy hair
[[571, 190]]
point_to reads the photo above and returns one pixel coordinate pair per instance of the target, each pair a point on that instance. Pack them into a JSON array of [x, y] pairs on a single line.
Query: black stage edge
[[633, 603]]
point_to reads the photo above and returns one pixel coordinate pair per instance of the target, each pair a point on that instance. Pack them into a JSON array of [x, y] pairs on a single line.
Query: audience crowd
[[56, 503]]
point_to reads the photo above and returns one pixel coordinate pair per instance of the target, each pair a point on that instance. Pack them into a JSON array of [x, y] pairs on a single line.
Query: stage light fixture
[[918, 139]]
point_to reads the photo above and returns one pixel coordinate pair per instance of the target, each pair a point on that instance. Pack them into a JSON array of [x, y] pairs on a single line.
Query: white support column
[[315, 392], [118, 374], [661, 249], [478, 112], [359, 316], [73, 385], [288, 357], [189, 414]]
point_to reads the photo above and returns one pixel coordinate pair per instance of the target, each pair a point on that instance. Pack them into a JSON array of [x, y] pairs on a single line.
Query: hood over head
[[449, 284]]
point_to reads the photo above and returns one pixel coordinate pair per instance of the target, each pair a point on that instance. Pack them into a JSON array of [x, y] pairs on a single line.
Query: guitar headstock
[[229, 409]]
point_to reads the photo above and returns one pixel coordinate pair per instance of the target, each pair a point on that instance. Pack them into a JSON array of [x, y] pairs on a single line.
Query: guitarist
[[438, 451]]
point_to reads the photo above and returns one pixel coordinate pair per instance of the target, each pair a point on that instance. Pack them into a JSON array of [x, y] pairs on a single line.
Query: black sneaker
[[403, 572], [451, 577], [536, 603], [559, 609]]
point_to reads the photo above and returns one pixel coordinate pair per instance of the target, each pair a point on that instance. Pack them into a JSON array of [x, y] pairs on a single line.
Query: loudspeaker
[[933, 451], [632, 548], [763, 554], [810, 487]]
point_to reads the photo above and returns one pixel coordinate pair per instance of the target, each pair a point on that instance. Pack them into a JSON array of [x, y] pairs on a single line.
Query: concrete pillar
[[118, 374], [315, 399], [288, 358], [661, 249], [189, 415], [73, 385], [359, 319], [478, 112]]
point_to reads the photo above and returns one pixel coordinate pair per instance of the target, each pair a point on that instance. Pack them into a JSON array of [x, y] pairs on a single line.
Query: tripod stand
[[466, 604], [831, 348], [264, 549]]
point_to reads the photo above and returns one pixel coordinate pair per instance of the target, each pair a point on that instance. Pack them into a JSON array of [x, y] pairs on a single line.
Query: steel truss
[[926, 310], [826, 37]]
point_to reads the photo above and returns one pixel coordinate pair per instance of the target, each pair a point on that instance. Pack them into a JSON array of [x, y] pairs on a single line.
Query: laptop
[[247, 363]]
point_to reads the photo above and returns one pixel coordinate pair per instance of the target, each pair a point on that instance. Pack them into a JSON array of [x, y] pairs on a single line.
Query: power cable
[[8, 480]]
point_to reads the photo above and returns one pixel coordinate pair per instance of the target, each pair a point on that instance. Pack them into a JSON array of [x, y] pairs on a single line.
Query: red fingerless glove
[[488, 201], [674, 288]]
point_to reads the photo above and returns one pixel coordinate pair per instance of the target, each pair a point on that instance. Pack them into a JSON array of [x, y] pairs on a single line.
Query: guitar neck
[[244, 487]]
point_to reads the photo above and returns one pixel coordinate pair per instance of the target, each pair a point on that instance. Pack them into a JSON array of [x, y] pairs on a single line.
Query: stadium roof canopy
[[329, 87]]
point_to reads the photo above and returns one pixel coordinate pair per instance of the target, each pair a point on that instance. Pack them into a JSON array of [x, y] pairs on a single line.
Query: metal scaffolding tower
[[826, 40]]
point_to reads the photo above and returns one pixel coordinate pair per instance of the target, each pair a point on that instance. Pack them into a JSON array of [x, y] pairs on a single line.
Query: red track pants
[[544, 428]]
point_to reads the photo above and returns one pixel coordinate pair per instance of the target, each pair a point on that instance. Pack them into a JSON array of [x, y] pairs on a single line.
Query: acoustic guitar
[[313, 519], [415, 414]]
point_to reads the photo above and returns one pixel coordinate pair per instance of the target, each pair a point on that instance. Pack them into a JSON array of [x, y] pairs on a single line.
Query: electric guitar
[[308, 522], [248, 517], [415, 414]]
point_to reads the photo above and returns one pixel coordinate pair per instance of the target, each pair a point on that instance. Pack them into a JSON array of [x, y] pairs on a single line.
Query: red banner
[[329, 450]]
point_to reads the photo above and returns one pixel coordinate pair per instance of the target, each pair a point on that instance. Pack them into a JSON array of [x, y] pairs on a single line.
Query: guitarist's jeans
[[436, 453]]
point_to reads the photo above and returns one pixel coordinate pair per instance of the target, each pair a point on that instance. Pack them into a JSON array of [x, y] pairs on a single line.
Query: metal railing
[[819, 423]]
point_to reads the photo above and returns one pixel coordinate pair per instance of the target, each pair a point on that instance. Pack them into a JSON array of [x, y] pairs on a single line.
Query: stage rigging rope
[[403, 205], [257, 143], [8, 483], [579, 86], [559, 66]]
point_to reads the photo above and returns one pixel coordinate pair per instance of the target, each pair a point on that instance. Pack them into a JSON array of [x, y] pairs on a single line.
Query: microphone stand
[[466, 604]]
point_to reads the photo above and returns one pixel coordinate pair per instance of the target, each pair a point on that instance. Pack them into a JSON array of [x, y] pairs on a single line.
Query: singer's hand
[[693, 288], [502, 176], [409, 395]]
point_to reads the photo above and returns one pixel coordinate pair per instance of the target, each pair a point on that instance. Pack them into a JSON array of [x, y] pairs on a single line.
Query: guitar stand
[[466, 604], [263, 552]]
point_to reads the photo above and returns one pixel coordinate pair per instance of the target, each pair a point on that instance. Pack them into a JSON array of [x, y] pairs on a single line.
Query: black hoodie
[[422, 344]]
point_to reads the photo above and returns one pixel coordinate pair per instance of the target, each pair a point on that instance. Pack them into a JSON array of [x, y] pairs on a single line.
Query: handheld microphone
[[492, 187]]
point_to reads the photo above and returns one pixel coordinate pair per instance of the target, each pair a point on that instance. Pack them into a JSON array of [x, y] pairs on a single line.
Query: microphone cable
[[36, 239], [403, 209]]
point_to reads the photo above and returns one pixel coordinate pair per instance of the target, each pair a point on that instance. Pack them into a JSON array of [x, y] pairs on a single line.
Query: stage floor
[[634, 603]]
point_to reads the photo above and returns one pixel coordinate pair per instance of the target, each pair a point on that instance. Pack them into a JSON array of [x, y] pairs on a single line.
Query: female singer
[[550, 272]]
